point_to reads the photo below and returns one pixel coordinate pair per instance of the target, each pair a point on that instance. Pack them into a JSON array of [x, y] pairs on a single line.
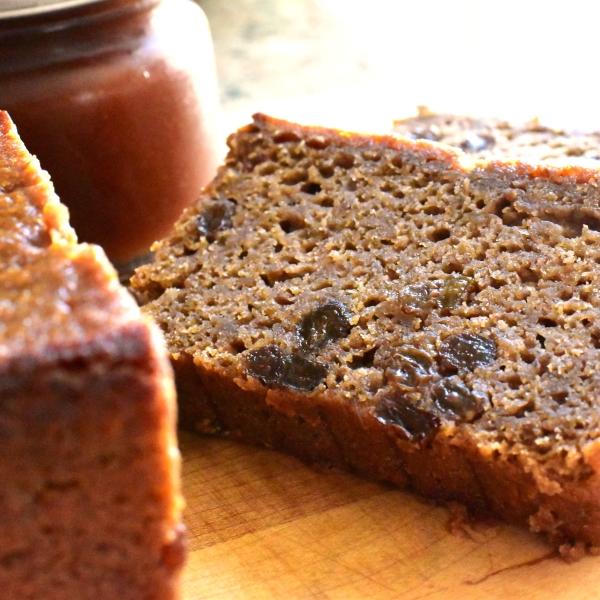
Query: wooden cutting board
[[263, 525]]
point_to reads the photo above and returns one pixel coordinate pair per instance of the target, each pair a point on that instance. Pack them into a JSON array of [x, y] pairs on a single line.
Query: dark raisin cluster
[[324, 324], [276, 369], [413, 369]]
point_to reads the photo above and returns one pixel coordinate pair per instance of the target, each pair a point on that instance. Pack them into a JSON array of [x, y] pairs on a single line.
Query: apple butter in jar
[[118, 100]]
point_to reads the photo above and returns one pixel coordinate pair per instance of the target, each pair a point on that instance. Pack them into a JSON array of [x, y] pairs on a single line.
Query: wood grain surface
[[263, 525]]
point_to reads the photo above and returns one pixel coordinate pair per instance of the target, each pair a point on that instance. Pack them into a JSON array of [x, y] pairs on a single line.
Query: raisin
[[475, 142], [214, 218], [324, 324], [454, 290], [414, 298], [467, 351], [412, 367], [415, 425], [454, 396], [276, 369], [423, 133]]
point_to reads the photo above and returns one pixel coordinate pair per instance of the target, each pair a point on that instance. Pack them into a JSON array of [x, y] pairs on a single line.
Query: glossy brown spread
[[119, 111]]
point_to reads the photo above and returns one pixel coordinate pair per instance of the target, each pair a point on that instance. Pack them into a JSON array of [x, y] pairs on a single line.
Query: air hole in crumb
[[514, 382], [386, 242], [41, 239], [560, 397], [363, 361], [480, 203], [292, 223], [322, 285], [372, 302], [237, 346], [542, 340], [397, 162], [326, 201], [268, 282], [543, 362], [284, 300], [311, 188], [528, 357], [565, 294], [278, 247], [243, 254], [500, 205], [438, 235], [523, 410], [585, 322], [527, 275], [434, 210], [509, 215], [545, 322]]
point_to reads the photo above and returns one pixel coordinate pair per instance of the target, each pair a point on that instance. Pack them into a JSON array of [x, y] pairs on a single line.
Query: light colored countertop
[[358, 65]]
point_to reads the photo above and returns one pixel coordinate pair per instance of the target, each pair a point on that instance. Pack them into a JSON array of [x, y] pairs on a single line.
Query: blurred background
[[357, 64]]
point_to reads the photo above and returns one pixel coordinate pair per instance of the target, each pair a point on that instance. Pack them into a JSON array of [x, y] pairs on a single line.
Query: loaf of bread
[[374, 304], [89, 502], [487, 138]]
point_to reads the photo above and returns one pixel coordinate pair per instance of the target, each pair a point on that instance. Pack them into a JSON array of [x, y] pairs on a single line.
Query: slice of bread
[[486, 138], [89, 502], [374, 304]]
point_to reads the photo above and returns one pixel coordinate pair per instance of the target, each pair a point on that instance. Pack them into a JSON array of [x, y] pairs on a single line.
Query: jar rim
[[26, 8]]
